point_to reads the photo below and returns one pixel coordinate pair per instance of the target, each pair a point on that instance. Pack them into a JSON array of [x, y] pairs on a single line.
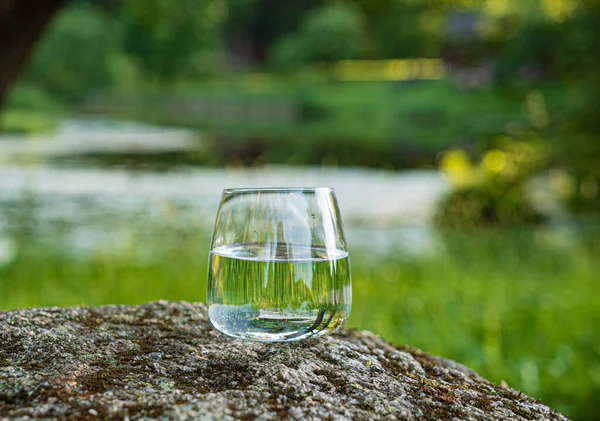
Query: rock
[[164, 361]]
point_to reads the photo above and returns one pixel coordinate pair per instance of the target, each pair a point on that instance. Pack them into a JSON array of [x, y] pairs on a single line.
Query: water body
[[98, 207], [373, 204]]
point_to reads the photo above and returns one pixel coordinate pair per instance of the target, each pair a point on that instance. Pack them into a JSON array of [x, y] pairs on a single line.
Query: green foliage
[[519, 45], [29, 97], [74, 59], [290, 52], [576, 147], [483, 206], [403, 28], [492, 193], [26, 121], [170, 39], [580, 155], [333, 31], [30, 110], [91, 49]]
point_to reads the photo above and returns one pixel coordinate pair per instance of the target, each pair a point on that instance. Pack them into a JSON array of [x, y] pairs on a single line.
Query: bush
[[479, 206], [174, 40], [491, 193], [26, 121], [78, 54], [29, 97], [330, 32]]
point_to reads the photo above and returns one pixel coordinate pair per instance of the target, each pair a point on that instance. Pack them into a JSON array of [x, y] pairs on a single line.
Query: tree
[[167, 37], [578, 147], [76, 56], [21, 24], [330, 32]]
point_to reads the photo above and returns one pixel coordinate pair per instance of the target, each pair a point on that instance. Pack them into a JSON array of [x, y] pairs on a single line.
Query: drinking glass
[[278, 267]]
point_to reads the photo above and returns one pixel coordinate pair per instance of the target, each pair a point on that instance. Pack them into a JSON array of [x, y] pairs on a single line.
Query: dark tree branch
[[21, 24]]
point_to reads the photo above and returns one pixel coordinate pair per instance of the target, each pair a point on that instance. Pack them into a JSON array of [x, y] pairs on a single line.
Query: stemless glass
[[278, 267]]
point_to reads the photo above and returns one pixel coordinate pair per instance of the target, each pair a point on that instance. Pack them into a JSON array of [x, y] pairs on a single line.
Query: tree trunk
[[21, 24]]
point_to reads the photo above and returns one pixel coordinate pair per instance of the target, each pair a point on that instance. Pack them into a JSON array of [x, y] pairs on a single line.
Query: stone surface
[[163, 360]]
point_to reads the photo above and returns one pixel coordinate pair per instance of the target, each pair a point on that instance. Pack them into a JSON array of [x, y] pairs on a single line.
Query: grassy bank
[[515, 306]]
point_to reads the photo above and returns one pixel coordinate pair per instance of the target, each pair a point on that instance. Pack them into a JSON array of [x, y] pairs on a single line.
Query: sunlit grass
[[27, 121], [511, 307]]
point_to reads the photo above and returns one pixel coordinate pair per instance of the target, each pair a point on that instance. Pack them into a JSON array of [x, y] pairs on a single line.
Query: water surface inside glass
[[278, 291]]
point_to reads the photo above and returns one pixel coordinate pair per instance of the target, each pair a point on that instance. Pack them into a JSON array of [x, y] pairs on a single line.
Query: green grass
[[15, 120], [29, 110], [510, 306], [517, 306]]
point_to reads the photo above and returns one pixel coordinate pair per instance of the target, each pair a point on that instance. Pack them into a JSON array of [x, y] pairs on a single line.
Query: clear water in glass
[[278, 265]]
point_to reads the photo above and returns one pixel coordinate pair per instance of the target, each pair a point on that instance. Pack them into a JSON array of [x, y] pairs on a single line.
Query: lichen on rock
[[163, 360]]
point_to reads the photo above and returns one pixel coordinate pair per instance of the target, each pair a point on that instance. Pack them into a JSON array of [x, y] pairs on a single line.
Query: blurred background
[[461, 136]]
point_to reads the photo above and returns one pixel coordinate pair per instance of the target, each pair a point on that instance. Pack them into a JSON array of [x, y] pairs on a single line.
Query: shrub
[[330, 32], [77, 54], [491, 193]]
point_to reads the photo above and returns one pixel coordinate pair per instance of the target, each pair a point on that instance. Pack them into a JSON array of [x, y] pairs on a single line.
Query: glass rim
[[245, 190]]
